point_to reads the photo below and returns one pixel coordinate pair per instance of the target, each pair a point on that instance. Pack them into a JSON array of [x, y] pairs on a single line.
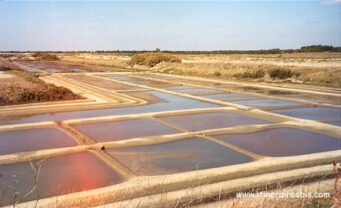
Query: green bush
[[253, 75], [151, 59], [280, 73]]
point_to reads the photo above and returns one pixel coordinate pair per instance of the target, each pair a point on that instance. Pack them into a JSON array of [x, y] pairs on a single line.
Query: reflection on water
[[178, 87], [231, 96], [27, 68], [118, 130], [277, 92], [265, 103], [34, 139], [283, 142], [202, 121], [321, 99], [150, 83], [60, 175], [317, 113], [336, 123], [59, 67], [77, 70], [179, 156], [118, 77], [199, 91]]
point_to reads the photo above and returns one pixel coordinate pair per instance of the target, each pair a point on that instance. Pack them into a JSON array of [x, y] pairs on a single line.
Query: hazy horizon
[[91, 26]]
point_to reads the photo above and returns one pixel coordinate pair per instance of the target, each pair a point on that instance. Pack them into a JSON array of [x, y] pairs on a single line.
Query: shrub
[[254, 74], [6, 66], [217, 74], [280, 73], [46, 56], [48, 93], [319, 48], [35, 90], [151, 59]]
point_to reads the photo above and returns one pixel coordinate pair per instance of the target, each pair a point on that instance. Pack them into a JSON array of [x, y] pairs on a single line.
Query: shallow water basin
[[231, 96], [34, 139], [214, 120], [179, 156], [283, 142], [57, 176], [316, 113], [335, 123], [321, 99], [265, 103], [150, 83], [199, 91], [118, 130]]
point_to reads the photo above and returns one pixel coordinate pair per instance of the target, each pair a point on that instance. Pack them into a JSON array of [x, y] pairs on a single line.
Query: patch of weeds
[[152, 59], [316, 203], [35, 90], [217, 74], [253, 74], [43, 94], [282, 73], [46, 56]]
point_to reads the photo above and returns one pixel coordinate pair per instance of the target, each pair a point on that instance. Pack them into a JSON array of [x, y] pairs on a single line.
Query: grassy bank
[[20, 87], [323, 69]]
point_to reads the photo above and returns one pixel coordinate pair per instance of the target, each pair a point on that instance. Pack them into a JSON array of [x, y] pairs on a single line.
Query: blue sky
[[187, 25]]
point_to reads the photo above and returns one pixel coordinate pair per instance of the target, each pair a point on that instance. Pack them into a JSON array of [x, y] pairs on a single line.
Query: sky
[[174, 25]]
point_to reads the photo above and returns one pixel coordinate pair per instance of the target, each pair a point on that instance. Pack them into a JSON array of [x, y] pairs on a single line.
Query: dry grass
[[46, 57], [152, 59], [253, 74], [322, 69], [21, 87], [317, 75], [308, 68]]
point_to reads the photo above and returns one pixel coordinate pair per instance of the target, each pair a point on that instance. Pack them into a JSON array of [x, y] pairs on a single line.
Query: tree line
[[303, 49]]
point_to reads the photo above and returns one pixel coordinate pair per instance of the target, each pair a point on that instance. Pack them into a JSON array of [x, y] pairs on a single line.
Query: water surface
[[34, 139], [179, 156], [118, 130], [59, 175], [202, 121], [283, 142], [317, 113], [265, 103]]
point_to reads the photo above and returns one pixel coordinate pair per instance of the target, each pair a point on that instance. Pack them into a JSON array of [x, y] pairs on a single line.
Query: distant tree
[[319, 48], [157, 49]]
